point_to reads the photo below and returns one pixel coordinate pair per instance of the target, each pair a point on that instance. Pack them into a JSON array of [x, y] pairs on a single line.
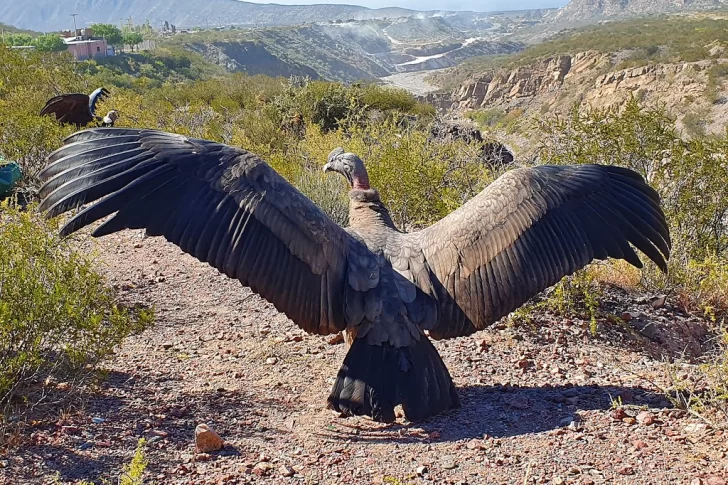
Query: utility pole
[[74, 24]]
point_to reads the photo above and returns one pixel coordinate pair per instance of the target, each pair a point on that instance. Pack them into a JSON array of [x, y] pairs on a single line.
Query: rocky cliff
[[696, 93]]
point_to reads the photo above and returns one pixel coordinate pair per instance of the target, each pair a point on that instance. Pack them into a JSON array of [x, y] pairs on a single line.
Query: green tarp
[[9, 174]]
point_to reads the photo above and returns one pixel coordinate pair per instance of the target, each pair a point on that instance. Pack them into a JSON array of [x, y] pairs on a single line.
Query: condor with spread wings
[[78, 109], [389, 290]]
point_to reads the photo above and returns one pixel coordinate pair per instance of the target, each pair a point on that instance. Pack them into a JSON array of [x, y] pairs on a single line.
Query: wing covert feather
[[530, 228]]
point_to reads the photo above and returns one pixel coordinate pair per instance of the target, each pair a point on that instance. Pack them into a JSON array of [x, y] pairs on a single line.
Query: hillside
[[678, 62], [356, 50], [592, 10]]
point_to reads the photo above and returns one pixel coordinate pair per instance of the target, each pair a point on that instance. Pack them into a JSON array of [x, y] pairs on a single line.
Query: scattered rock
[[448, 462], [262, 468], [98, 420], [695, 428], [645, 418], [286, 471], [626, 316], [271, 360], [626, 470], [659, 302], [715, 480], [618, 414], [421, 470], [629, 420], [206, 440], [336, 339], [639, 444], [167, 345]]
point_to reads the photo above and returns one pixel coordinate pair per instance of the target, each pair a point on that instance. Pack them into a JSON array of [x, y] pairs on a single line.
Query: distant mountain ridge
[[50, 15], [591, 10]]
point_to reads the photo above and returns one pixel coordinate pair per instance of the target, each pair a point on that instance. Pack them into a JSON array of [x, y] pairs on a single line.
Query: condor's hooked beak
[[327, 168]]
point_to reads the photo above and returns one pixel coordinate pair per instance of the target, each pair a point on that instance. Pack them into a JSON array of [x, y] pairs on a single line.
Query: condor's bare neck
[[366, 210]]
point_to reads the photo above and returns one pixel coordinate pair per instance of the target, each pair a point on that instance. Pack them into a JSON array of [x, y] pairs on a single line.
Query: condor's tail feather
[[375, 378]]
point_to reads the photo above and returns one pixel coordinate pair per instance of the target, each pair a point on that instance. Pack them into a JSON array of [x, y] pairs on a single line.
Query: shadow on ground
[[505, 411]]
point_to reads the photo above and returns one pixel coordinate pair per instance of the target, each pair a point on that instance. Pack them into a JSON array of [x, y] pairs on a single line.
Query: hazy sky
[[477, 6]]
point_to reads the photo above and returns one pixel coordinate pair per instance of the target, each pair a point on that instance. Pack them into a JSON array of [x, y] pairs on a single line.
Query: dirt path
[[536, 403]]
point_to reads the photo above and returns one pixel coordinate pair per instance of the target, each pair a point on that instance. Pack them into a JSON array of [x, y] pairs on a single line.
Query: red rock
[[206, 440], [714, 480], [286, 471], [626, 316], [626, 470], [645, 418], [618, 414], [262, 469], [639, 444], [336, 339]]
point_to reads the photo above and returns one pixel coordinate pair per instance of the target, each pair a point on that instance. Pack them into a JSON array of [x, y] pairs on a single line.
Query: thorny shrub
[[58, 318], [690, 176]]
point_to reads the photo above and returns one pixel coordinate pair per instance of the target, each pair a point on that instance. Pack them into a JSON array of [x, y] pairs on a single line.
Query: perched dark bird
[[78, 109], [386, 288]]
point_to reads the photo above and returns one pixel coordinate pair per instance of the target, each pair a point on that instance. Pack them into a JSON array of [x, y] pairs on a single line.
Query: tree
[[49, 43], [111, 33], [18, 39], [132, 39]]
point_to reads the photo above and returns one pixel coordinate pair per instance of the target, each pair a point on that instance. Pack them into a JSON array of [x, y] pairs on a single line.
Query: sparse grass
[[576, 295], [702, 389]]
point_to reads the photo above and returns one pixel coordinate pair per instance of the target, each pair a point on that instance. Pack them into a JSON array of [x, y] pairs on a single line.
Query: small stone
[[98, 420], [271, 360], [69, 429], [618, 414], [558, 481], [524, 363], [286, 471], [697, 481], [626, 316], [645, 418], [474, 445], [639, 444], [421, 470], [714, 480], [336, 339], [63, 386], [206, 439], [626, 470], [160, 433], [262, 469], [696, 428], [659, 302], [167, 345], [629, 420], [448, 462]]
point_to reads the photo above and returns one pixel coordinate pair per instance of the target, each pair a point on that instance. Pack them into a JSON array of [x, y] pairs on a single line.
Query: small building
[[83, 45], [88, 49]]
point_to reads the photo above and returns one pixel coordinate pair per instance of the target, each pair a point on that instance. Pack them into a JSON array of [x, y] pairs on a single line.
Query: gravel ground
[[539, 403], [414, 82]]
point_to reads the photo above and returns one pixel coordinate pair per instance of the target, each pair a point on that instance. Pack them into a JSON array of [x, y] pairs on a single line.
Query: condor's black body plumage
[[389, 291]]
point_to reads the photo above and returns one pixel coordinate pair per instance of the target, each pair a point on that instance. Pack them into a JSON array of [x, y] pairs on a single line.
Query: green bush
[[58, 318], [689, 174]]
